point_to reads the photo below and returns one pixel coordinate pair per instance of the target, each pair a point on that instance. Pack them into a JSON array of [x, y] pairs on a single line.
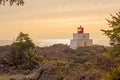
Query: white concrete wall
[[84, 42], [74, 44], [89, 42], [80, 40], [81, 36]]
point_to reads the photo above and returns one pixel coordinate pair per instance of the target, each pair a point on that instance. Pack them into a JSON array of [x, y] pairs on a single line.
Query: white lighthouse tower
[[80, 39]]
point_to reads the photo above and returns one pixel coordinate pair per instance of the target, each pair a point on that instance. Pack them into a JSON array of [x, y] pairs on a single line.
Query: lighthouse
[[80, 39]]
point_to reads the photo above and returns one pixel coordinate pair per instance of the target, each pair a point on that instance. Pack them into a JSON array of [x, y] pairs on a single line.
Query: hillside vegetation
[[59, 62]]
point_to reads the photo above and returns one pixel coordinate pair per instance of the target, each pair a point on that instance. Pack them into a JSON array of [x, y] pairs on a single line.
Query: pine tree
[[23, 53], [114, 34]]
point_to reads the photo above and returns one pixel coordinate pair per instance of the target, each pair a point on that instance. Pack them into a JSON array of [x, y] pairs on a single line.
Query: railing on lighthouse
[[80, 30]]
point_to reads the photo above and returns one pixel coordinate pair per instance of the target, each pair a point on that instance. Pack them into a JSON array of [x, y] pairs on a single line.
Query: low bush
[[112, 75]]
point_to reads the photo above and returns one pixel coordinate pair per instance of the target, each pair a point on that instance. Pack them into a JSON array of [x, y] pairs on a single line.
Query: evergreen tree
[[114, 34], [23, 53], [23, 43]]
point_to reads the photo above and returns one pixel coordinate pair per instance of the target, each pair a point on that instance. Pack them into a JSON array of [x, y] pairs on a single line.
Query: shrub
[[61, 69], [112, 75], [61, 64]]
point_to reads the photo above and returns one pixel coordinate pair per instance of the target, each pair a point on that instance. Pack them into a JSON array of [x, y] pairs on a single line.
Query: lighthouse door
[[85, 43]]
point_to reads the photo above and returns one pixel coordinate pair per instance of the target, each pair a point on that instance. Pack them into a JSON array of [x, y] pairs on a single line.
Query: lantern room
[[80, 30]]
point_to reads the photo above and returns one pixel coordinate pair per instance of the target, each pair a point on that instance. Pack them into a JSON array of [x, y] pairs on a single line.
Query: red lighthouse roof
[[80, 30]]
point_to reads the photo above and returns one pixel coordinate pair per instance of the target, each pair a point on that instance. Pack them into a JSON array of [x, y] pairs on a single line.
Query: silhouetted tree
[[17, 2], [114, 34], [23, 53], [23, 43]]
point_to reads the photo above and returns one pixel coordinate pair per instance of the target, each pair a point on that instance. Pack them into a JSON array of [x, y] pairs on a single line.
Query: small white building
[[80, 39]]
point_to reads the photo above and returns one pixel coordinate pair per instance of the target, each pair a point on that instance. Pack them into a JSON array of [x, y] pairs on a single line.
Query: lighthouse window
[[80, 29], [84, 36]]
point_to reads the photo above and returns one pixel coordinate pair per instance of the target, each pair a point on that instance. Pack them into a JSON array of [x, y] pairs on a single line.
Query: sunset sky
[[56, 19]]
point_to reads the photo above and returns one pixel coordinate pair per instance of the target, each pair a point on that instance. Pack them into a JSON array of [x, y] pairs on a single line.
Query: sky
[[57, 19]]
